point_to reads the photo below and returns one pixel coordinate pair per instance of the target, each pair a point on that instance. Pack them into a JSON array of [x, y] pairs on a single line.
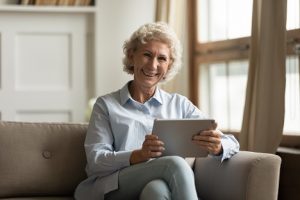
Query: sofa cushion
[[39, 159]]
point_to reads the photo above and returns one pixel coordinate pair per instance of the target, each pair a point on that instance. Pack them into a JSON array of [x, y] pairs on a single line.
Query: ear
[[130, 55]]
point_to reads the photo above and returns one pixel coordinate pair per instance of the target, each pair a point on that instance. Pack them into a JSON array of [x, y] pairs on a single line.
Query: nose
[[154, 63]]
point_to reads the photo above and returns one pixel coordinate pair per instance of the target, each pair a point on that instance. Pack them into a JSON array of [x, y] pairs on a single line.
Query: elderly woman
[[123, 156]]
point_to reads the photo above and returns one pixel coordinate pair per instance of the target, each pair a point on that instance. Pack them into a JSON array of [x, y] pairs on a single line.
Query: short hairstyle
[[158, 31]]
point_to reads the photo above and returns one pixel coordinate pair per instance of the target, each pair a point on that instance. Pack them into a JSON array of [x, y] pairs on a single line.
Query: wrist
[[135, 157]]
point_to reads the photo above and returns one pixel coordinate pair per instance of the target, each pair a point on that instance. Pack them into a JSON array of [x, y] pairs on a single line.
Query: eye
[[146, 54], [162, 59]]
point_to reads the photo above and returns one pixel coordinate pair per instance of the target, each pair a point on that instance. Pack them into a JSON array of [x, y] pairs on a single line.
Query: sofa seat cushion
[[41, 159]]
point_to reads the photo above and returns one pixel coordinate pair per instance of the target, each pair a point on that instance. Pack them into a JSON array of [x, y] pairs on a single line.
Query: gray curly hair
[[158, 31]]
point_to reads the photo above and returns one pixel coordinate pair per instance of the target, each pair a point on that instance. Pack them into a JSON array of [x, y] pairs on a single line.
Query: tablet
[[177, 135]]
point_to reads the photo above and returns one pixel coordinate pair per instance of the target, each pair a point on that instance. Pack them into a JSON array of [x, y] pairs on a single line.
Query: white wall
[[116, 21]]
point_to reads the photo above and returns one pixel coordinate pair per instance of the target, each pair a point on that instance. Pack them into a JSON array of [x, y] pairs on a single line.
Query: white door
[[43, 66]]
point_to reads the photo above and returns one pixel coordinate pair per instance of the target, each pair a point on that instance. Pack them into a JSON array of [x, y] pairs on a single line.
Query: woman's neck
[[139, 93]]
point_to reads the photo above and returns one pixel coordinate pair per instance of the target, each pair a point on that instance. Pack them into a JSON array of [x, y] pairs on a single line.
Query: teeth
[[149, 74]]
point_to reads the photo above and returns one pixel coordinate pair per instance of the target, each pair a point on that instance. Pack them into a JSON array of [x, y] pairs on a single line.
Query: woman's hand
[[209, 140], [152, 148]]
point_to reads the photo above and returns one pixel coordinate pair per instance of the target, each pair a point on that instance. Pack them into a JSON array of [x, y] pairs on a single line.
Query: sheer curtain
[[264, 107], [174, 13]]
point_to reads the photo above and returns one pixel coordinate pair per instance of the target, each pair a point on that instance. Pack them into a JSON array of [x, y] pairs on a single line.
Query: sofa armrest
[[247, 175]]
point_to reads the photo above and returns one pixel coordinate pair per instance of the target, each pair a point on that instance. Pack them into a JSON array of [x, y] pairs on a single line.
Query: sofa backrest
[[38, 159]]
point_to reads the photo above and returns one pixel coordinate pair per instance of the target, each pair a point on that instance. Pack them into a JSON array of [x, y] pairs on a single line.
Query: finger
[[212, 148], [146, 154], [213, 133], [153, 143], [151, 137], [209, 139], [150, 154], [154, 154], [203, 143], [154, 148], [215, 125], [207, 144], [215, 150]]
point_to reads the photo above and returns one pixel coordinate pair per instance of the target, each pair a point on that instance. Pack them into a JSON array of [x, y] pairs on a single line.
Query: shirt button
[[47, 154]]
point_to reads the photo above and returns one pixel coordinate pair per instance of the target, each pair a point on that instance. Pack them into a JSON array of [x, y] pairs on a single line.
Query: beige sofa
[[47, 161]]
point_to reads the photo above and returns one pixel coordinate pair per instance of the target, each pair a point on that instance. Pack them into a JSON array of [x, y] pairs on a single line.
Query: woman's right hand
[[152, 148]]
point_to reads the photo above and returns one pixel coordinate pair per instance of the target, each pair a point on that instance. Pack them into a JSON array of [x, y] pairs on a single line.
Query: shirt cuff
[[124, 157], [230, 147]]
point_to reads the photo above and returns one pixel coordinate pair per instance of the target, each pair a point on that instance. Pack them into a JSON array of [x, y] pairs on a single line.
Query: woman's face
[[151, 62]]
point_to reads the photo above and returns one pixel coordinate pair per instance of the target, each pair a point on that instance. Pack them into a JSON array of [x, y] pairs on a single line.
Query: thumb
[[214, 125]]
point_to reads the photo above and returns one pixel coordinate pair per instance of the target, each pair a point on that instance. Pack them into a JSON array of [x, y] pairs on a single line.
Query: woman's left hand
[[209, 140]]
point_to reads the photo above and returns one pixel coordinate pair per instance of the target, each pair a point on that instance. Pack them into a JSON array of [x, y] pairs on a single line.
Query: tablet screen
[[177, 135]]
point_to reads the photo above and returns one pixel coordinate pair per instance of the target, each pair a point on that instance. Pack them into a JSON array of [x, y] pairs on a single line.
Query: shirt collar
[[125, 95], [157, 96]]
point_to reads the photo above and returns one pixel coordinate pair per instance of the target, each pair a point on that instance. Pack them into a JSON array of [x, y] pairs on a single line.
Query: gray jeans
[[163, 178]]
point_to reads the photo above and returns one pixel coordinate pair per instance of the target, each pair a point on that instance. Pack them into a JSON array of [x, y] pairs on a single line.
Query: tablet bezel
[[177, 135]]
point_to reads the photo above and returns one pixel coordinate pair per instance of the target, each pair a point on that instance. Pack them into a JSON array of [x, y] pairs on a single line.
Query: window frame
[[225, 50]]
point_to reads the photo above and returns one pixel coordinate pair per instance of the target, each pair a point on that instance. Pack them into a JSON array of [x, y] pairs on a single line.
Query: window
[[292, 94], [221, 42], [223, 92], [220, 20]]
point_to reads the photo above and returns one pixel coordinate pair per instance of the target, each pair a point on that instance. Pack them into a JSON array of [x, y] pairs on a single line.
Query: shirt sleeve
[[99, 144], [230, 147], [229, 143]]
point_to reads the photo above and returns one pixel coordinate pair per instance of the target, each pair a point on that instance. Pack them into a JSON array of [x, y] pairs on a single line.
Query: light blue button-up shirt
[[118, 126]]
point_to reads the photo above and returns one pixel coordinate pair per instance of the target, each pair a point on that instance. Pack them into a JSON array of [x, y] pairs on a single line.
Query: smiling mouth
[[149, 74]]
